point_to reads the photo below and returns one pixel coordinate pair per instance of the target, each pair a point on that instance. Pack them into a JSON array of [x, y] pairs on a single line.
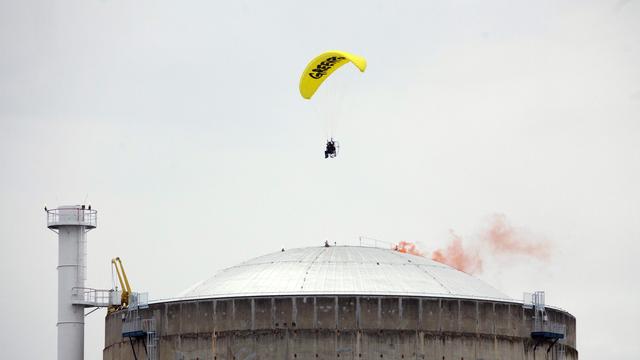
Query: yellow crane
[[124, 284]]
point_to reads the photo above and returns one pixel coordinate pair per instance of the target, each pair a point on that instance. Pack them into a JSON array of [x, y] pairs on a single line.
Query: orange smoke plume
[[457, 257], [503, 239], [407, 248]]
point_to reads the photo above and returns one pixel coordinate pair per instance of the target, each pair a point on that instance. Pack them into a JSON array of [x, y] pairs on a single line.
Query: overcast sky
[[181, 122]]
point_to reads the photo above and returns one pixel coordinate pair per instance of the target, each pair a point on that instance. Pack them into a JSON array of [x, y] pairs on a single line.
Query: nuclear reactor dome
[[340, 302], [343, 270]]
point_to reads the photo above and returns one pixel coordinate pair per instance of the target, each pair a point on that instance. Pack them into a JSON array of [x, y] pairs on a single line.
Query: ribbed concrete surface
[[345, 327]]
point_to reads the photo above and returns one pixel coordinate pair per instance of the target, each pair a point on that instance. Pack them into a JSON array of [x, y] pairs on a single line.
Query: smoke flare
[[408, 248], [457, 257], [503, 239]]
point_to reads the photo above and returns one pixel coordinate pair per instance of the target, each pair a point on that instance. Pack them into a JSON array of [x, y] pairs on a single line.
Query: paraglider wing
[[323, 66]]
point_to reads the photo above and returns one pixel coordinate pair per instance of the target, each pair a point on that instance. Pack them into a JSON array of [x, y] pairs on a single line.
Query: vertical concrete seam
[[420, 325], [233, 312], [196, 318], [439, 315], [214, 334], [180, 317], [273, 312], [493, 320], [214, 316], [315, 312], [358, 340], [358, 312], [253, 314], [336, 311], [477, 318], [379, 322], [459, 315], [179, 336], [294, 310]]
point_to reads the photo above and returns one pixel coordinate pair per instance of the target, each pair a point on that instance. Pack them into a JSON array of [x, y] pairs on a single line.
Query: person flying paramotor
[[332, 149], [319, 69]]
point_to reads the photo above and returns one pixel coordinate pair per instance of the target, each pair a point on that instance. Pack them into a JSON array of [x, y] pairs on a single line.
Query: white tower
[[72, 224]]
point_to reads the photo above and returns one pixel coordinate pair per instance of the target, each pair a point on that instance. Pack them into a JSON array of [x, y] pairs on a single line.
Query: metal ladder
[[152, 340], [135, 327]]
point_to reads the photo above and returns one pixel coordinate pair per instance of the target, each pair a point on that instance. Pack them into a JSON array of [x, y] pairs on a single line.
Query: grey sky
[[181, 123]]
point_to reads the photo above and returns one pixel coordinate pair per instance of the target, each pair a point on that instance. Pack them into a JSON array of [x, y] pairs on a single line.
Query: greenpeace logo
[[323, 67]]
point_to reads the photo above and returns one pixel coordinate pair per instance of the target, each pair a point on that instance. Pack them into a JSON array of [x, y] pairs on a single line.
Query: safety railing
[[138, 300], [72, 216], [534, 300], [372, 242], [95, 297], [137, 325], [549, 327]]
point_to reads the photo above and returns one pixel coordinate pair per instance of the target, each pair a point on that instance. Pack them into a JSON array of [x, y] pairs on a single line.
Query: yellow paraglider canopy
[[323, 66]]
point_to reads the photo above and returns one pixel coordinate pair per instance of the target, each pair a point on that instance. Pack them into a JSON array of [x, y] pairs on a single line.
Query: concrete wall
[[340, 327]]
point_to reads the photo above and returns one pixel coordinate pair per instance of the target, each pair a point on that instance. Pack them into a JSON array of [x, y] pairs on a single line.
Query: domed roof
[[342, 270]]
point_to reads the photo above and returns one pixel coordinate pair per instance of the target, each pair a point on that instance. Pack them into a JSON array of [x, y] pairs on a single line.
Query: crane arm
[[124, 281]]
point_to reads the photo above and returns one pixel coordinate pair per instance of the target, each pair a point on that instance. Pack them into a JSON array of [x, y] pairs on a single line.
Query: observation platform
[[73, 215], [548, 331], [137, 327], [91, 297]]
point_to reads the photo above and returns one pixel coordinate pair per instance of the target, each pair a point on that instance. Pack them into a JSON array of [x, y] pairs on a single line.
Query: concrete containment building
[[341, 302]]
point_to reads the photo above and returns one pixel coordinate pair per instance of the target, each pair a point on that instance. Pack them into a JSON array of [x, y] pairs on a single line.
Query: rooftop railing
[[72, 216]]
